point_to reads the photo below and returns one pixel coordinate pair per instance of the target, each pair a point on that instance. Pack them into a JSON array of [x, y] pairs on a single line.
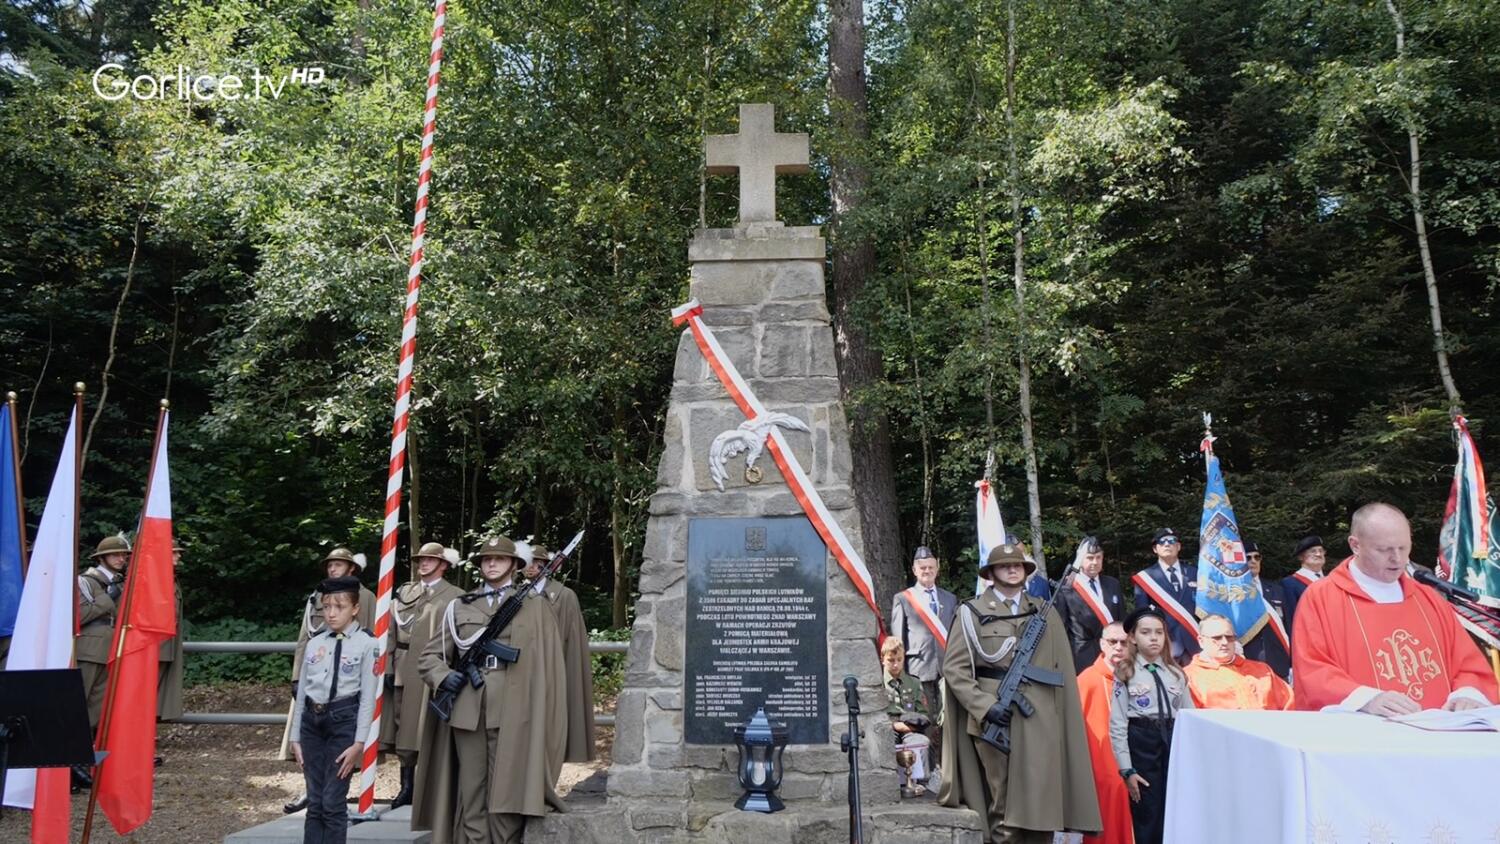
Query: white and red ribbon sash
[[1162, 598], [1277, 625], [934, 626], [1095, 602], [797, 480], [1302, 575]]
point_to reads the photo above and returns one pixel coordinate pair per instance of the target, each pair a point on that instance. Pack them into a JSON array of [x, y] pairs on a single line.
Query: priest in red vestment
[[1371, 639], [1220, 678], [1096, 686]]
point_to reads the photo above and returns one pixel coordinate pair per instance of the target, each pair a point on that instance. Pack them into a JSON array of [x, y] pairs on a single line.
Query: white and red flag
[[43, 637], [127, 729]]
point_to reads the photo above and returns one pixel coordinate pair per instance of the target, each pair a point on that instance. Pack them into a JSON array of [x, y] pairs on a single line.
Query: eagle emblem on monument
[[748, 439]]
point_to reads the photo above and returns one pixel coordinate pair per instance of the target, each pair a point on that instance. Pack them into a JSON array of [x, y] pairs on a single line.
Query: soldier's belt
[[403, 646], [108, 622]]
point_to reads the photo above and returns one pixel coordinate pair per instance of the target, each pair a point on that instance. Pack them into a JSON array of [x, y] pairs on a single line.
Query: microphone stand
[[849, 743]]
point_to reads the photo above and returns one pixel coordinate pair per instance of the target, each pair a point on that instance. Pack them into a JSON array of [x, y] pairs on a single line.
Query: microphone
[[1425, 576], [851, 693]]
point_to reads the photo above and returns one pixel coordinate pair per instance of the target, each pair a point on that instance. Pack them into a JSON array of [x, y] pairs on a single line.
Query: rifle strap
[[989, 673]]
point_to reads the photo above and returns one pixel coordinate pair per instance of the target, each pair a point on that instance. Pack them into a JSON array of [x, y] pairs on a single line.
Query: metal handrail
[[603, 719]]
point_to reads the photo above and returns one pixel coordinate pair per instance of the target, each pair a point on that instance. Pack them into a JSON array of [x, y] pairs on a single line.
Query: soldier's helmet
[[345, 555], [1006, 553], [497, 546], [116, 544], [431, 549]]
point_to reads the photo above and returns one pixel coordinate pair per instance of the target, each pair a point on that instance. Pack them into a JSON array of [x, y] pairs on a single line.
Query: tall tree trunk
[[1018, 226], [1419, 219], [114, 333], [853, 260]]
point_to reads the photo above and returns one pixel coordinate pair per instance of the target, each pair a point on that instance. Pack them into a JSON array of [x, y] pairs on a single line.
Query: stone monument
[[741, 604]]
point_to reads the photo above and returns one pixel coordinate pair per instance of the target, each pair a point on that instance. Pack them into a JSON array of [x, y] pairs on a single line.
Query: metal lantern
[[760, 744]]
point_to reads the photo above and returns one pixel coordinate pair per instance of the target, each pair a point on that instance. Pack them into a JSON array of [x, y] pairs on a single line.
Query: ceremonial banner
[[691, 314], [127, 728], [44, 635], [988, 525], [1468, 554], [12, 525], [1225, 585]]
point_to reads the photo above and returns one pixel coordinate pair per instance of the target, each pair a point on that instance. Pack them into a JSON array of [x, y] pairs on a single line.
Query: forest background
[[1215, 202]]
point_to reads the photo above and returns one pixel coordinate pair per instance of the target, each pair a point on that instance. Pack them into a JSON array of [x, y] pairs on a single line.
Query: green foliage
[[609, 669], [214, 669]]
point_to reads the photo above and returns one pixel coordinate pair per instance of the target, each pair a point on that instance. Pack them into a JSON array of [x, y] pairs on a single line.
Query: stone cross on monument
[[741, 604], [758, 154]]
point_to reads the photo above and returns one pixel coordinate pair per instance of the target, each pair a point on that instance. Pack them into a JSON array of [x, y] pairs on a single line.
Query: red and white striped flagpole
[[403, 405]]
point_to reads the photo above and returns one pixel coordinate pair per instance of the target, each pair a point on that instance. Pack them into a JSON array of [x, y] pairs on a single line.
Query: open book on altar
[[1485, 718]]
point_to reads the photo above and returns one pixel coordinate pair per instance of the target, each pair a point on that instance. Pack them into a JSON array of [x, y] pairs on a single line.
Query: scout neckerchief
[[914, 600]]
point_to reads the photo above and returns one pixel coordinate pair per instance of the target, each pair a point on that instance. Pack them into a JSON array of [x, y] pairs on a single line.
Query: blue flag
[[10, 526], [1225, 585]]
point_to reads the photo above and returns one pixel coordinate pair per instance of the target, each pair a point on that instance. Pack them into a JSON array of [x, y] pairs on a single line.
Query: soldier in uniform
[[577, 664], [99, 590], [1149, 691], [1045, 784], [496, 760], [413, 610], [336, 692], [340, 562], [169, 670]]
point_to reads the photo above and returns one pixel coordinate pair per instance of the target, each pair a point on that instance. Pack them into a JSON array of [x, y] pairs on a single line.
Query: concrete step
[[392, 826]]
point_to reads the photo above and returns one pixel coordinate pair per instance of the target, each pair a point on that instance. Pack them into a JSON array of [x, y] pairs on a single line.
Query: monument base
[[599, 821]]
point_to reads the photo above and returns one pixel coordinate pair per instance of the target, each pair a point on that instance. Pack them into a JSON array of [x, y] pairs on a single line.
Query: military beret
[[1308, 542], [1250, 546], [335, 585], [1163, 533], [1135, 618]]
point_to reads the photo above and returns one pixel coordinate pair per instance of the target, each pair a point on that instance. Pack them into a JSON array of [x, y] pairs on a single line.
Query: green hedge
[[214, 669]]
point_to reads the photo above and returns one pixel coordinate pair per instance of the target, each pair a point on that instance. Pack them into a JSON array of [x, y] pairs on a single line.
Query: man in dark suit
[[1171, 588], [1312, 556], [1266, 646], [920, 617], [1090, 603]]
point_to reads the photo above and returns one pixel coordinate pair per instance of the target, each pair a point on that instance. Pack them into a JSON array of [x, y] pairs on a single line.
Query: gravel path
[[220, 779]]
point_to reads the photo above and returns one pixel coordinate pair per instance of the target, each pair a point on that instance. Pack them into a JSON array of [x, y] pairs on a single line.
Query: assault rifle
[[486, 644], [1021, 671]]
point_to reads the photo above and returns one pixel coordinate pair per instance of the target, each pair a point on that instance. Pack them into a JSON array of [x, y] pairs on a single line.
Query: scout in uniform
[[1045, 784], [576, 661], [340, 562], [1149, 690], [336, 692], [497, 758], [413, 610], [99, 590]]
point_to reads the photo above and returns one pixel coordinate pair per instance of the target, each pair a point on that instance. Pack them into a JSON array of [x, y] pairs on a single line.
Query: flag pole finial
[[11, 396], [165, 405], [78, 388]]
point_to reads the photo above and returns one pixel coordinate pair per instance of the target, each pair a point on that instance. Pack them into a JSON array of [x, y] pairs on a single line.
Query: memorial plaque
[[757, 628]]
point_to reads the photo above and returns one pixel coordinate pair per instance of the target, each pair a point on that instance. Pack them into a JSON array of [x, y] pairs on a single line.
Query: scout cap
[[1135, 618], [335, 585]]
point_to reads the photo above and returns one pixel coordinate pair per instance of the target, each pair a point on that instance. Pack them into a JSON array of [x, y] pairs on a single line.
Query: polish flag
[[127, 728], [43, 637]]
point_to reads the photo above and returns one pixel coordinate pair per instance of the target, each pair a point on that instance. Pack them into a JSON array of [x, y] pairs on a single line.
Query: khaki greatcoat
[[169, 671], [1048, 783], [578, 666], [413, 613], [96, 619]]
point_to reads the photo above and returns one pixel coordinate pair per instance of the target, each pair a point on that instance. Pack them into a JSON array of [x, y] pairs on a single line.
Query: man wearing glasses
[[1267, 645], [1171, 588], [1218, 678]]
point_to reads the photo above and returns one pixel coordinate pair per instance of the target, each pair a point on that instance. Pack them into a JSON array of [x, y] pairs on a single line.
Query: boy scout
[[336, 692], [340, 562], [413, 610], [1046, 783], [497, 758]]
